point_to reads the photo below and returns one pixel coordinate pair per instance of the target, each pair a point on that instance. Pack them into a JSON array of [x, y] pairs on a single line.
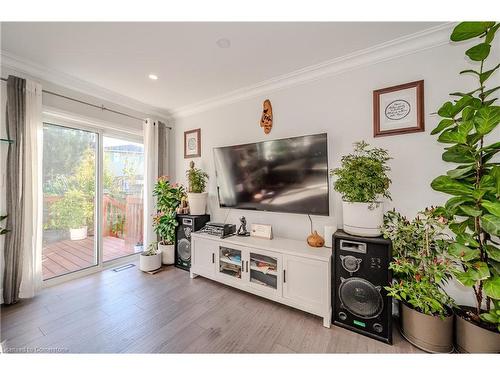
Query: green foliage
[[473, 210], [362, 176], [197, 179], [493, 315], [73, 211], [168, 197], [3, 230], [420, 265]]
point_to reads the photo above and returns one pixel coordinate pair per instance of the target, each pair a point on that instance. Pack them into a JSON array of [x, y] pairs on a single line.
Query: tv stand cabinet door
[[305, 283], [203, 253]]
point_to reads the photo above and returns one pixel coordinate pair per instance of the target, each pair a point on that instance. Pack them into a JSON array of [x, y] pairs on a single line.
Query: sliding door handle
[[284, 276], [247, 265], [213, 258]]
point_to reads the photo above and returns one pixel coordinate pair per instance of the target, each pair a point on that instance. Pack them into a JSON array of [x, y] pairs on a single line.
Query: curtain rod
[[101, 107]]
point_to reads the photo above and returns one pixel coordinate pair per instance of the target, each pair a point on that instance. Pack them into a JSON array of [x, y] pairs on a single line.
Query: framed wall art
[[399, 109], [192, 143]]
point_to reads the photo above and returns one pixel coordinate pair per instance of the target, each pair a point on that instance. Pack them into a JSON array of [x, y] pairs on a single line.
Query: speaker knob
[[377, 327], [342, 315], [351, 264]]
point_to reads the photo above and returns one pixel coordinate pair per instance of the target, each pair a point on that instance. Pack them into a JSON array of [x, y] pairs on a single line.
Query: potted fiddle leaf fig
[[421, 268], [197, 196], [168, 197], [362, 181], [467, 127]]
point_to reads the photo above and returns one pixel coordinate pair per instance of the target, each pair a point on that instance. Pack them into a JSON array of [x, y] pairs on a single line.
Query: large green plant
[[168, 197], [420, 265], [362, 176], [197, 179], [73, 211], [474, 210]]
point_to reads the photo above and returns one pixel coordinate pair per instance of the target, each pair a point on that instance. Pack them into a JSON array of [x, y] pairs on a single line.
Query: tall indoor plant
[[362, 181], [421, 268], [168, 197], [197, 196], [467, 126]]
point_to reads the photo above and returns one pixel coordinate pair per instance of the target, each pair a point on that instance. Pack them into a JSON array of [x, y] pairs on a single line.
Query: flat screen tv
[[283, 175]]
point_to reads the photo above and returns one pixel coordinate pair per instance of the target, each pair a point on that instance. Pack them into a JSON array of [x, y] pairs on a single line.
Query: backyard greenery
[[73, 211], [420, 264], [467, 125], [362, 176]]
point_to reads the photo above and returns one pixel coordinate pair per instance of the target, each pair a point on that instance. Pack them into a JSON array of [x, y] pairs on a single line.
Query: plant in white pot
[[168, 197], [469, 127], [197, 196], [362, 181], [150, 259], [73, 212], [421, 269]]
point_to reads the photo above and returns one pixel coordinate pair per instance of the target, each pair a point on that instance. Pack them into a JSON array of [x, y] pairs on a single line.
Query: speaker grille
[[361, 298], [184, 249]]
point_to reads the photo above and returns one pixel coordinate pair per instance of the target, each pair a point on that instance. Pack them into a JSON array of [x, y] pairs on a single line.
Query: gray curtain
[[16, 110], [163, 140]]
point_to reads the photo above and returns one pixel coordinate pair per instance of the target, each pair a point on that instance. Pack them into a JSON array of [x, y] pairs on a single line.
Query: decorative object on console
[[399, 109], [421, 269], [192, 143], [329, 231], [220, 230], [266, 120], [187, 225], [242, 230], [197, 196], [262, 231], [362, 181], [150, 259], [168, 198], [361, 271], [183, 208], [314, 239], [467, 126]]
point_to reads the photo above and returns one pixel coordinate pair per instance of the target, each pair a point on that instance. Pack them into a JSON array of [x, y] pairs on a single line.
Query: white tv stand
[[283, 270]]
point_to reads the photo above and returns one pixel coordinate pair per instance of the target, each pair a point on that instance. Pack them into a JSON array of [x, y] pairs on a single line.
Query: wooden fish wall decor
[[266, 121]]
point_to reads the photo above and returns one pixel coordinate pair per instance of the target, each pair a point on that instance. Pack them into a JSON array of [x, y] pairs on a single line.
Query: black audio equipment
[[360, 272], [219, 229], [187, 224]]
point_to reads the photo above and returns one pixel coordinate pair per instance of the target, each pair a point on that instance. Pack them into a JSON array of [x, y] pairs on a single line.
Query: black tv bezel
[[275, 211]]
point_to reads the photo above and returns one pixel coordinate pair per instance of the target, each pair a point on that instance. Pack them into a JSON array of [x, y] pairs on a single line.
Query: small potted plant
[[468, 126], [73, 212], [421, 269], [168, 197], [150, 259], [362, 181], [197, 196]]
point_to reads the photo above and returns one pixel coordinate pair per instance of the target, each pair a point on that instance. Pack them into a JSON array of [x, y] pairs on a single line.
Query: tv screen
[[284, 175]]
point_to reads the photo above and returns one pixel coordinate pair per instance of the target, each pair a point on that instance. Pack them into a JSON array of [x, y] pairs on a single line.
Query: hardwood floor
[[133, 312]]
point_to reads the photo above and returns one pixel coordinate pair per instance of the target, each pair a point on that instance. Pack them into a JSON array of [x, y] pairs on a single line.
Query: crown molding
[[406, 45], [40, 72]]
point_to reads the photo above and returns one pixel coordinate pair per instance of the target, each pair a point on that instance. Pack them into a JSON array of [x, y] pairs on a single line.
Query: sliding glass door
[[122, 208], [69, 200]]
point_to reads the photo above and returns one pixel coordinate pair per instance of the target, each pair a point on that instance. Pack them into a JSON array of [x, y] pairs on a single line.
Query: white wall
[[342, 106]]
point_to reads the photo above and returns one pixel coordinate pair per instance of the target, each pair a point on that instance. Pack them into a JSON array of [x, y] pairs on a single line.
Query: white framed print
[[399, 109], [192, 143]]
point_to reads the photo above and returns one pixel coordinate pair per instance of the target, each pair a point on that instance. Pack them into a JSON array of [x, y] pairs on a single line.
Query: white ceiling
[[190, 66]]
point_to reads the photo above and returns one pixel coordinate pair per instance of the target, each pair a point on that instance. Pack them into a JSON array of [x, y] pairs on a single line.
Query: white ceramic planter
[[167, 254], [78, 234], [197, 203], [362, 220], [149, 262]]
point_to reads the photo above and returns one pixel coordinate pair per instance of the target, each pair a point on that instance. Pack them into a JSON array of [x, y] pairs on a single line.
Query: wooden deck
[[66, 256]]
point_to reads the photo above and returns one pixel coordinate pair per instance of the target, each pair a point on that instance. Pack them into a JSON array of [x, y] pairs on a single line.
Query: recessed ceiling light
[[224, 43], [154, 77]]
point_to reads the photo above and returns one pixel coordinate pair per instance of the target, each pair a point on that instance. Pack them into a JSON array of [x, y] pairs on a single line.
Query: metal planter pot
[[471, 338], [429, 333]]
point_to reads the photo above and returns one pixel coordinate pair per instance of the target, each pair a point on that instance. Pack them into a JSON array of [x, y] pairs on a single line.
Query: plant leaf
[[492, 207], [491, 224], [479, 52], [452, 136], [448, 185], [493, 252], [487, 119], [485, 75], [467, 240], [463, 252], [488, 92], [443, 124], [465, 279], [459, 154], [468, 30], [460, 171], [492, 287], [446, 110], [471, 211]]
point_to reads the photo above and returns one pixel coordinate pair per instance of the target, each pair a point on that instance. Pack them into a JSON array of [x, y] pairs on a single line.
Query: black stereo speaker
[[187, 224], [360, 272]]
